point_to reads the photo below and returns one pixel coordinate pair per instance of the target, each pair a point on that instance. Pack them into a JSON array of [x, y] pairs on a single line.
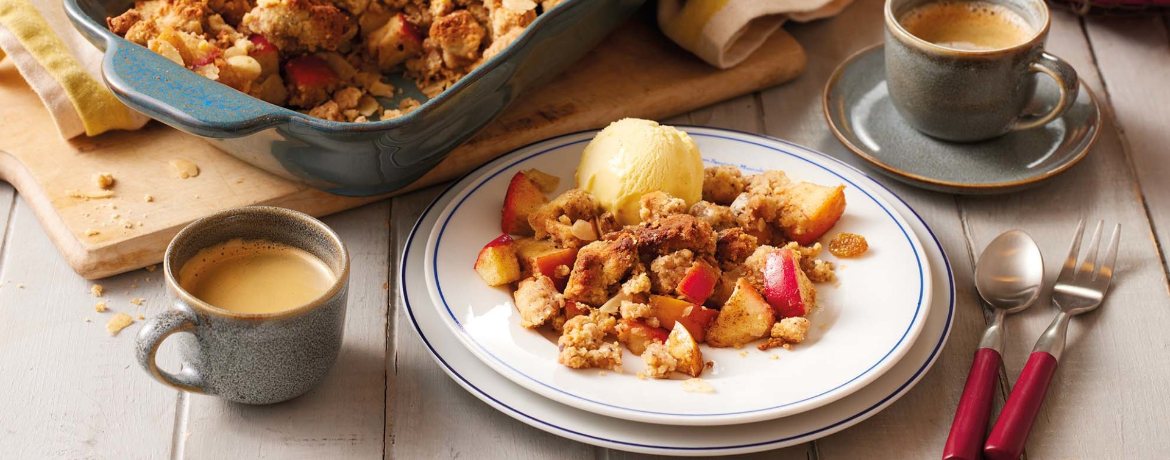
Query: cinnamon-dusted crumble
[[628, 286]]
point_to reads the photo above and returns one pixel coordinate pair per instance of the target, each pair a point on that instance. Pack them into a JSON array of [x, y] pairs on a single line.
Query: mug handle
[[1066, 81], [152, 335]]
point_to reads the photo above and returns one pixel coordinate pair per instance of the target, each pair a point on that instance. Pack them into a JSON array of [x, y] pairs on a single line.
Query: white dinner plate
[[517, 402], [867, 320]]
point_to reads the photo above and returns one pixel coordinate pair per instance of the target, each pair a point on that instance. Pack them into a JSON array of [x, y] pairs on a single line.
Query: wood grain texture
[[70, 390], [920, 419], [345, 416], [1134, 58], [432, 416], [1105, 401], [609, 83]]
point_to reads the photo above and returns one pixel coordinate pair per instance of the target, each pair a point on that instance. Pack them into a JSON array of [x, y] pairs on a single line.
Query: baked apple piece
[[670, 311], [786, 287], [698, 282], [636, 335], [811, 210], [745, 318], [523, 198], [266, 54], [497, 263], [543, 257], [682, 346], [394, 43], [556, 265], [310, 80]]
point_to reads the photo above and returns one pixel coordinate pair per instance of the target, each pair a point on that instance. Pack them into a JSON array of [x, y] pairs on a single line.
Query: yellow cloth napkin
[[62, 67], [725, 32]]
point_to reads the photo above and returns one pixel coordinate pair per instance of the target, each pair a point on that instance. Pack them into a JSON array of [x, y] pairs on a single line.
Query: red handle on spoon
[[970, 424], [1011, 430]]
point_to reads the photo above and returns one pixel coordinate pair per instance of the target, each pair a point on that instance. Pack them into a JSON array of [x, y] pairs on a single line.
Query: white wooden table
[[70, 391]]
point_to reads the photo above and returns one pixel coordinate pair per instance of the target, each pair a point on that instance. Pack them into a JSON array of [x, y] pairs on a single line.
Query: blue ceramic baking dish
[[357, 159]]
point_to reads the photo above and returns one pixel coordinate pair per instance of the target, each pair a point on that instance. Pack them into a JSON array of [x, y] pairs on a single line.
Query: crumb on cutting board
[[147, 198], [104, 180], [86, 195], [183, 169], [118, 322]]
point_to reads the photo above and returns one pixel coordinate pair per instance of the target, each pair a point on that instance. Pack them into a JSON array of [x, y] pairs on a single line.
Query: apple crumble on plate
[[327, 57], [735, 268]]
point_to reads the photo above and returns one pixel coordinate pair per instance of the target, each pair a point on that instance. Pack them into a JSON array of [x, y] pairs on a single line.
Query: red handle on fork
[[970, 424], [1011, 430]]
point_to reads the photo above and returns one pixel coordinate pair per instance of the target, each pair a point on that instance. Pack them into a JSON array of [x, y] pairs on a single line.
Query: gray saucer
[[858, 109]]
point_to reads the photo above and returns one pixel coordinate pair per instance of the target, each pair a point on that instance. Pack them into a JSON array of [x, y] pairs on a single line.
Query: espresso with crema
[[967, 25], [255, 276]]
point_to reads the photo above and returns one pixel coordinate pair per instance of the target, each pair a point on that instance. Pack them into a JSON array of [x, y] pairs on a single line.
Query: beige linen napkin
[[62, 67], [725, 32]]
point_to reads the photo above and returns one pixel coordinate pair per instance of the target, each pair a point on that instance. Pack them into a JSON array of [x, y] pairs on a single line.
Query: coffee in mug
[[258, 299], [966, 70], [967, 25], [255, 276]]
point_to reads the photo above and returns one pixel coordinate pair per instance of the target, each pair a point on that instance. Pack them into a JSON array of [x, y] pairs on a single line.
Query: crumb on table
[[100, 307], [96, 290], [118, 322], [137, 301]]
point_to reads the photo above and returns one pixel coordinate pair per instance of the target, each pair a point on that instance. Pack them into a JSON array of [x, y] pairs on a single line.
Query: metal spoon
[[1009, 275]]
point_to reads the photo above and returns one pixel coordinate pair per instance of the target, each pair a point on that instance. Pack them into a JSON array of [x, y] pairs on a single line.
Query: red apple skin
[[308, 71], [656, 334], [781, 286], [409, 30], [207, 59], [698, 283], [265, 53], [546, 264], [670, 310], [523, 198], [502, 240], [260, 44]]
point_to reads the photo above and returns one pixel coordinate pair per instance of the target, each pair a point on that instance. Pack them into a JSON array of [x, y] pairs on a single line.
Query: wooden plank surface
[[345, 416], [76, 393], [1133, 54], [611, 80], [793, 112]]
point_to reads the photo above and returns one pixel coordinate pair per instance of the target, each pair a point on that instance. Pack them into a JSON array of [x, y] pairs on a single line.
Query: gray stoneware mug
[[965, 96], [256, 358]]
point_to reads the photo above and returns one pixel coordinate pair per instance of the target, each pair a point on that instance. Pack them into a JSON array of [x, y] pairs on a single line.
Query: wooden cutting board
[[636, 72]]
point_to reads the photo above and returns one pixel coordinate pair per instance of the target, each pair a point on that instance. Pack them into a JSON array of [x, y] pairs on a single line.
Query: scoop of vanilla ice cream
[[632, 157]]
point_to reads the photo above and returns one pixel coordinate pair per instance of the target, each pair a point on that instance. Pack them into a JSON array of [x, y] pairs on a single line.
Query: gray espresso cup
[[969, 95], [253, 358]]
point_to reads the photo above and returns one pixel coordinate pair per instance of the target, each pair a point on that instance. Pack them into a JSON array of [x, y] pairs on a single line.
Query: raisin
[[848, 245]]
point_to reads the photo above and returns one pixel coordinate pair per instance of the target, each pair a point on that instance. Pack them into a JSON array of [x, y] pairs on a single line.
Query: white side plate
[[866, 322]]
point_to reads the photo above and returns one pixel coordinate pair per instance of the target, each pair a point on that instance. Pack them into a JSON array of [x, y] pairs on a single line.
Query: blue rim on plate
[[828, 394], [737, 448], [837, 391]]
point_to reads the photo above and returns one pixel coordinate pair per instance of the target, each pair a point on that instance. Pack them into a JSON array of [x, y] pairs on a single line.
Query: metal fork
[[1080, 288]]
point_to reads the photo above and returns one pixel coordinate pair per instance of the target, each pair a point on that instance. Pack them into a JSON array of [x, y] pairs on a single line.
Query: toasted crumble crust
[[666, 271], [717, 216], [722, 184], [659, 362], [538, 301], [656, 205], [600, 266], [582, 345]]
